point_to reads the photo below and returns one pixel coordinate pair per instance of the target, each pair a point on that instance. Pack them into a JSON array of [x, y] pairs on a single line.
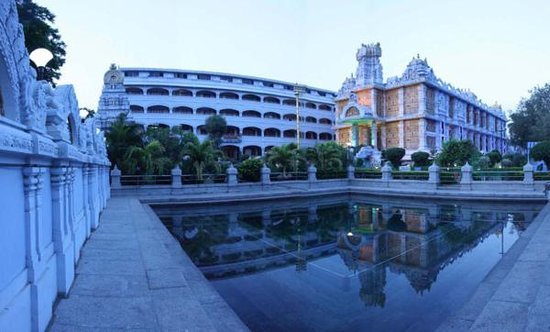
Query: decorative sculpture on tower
[[369, 68]]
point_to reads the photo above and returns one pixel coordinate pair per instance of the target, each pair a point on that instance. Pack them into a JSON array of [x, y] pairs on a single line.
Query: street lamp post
[[297, 91], [40, 57]]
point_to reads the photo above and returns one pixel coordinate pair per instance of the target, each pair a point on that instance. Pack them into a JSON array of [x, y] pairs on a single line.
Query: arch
[[205, 94], [272, 115], [201, 130], [325, 136], [289, 117], [136, 109], [311, 135], [252, 131], [71, 128], [229, 95], [311, 105], [157, 92], [352, 111], [157, 126], [252, 114], [290, 133], [134, 91], [185, 127], [272, 100], [272, 132], [182, 93], [325, 121], [232, 132], [251, 97], [252, 150], [229, 112], [206, 111], [182, 110], [158, 109], [311, 119], [231, 151], [325, 107], [289, 102], [269, 147]]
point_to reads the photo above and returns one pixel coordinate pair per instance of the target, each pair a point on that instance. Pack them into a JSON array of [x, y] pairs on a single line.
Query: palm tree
[[201, 155], [285, 157], [327, 156], [121, 136], [150, 159]]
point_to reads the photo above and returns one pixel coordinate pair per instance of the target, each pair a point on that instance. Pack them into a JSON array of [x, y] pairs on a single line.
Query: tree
[[285, 157], [394, 155], [121, 136], [216, 127], [249, 170], [457, 153], [494, 157], [516, 159], [150, 159], [541, 151], [201, 155], [329, 156], [420, 158], [173, 140], [38, 30], [531, 121]]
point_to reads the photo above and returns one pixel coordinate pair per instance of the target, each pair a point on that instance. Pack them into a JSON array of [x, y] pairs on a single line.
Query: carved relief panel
[[411, 99], [392, 134], [430, 100], [411, 134], [430, 126], [379, 103], [364, 97], [442, 103], [392, 103]]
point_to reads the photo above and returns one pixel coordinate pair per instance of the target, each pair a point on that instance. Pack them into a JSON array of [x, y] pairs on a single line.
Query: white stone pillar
[[401, 101], [232, 175], [176, 177], [312, 173], [421, 99], [401, 126], [374, 135], [265, 174], [422, 134], [351, 172], [386, 172], [528, 177], [115, 178], [466, 176], [434, 174]]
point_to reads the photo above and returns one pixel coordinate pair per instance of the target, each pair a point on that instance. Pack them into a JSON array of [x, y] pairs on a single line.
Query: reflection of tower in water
[[373, 281]]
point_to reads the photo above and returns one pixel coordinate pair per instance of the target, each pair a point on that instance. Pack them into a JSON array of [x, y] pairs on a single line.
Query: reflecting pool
[[346, 263]]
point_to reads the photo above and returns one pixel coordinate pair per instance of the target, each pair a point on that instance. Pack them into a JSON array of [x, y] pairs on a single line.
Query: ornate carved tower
[[113, 100], [369, 68]]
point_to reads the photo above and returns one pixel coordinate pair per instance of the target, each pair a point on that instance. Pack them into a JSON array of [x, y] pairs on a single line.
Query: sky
[[497, 49]]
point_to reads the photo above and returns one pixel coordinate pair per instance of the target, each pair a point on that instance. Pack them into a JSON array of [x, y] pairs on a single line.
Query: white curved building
[[260, 113]]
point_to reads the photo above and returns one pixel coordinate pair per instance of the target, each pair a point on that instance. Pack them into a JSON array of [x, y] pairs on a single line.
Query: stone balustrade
[[54, 178]]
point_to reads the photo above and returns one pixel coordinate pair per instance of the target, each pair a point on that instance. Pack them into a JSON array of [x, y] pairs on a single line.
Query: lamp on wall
[[40, 57]]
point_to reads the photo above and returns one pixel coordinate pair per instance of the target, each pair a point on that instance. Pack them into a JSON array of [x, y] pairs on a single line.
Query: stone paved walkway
[[515, 295], [133, 275]]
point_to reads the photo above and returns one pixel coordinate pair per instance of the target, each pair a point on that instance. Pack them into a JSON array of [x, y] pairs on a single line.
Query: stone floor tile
[[110, 285], [502, 316]]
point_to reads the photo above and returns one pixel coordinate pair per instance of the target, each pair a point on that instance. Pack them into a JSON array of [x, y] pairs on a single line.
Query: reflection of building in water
[[413, 242]]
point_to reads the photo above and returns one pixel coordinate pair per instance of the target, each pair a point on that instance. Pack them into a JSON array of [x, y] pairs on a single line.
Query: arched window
[[311, 135], [136, 109], [252, 131], [182, 110], [157, 92], [232, 132], [252, 114], [272, 115], [229, 112], [325, 107], [272, 100], [272, 132], [201, 130], [158, 109], [311, 119], [250, 97], [206, 111], [1, 105], [289, 133], [311, 105], [289, 117], [325, 136], [70, 128], [206, 94], [186, 128], [289, 102], [182, 93], [229, 95], [134, 91], [252, 150], [352, 112], [325, 121]]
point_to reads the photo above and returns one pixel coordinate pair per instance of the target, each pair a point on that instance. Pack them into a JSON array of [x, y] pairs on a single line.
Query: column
[[422, 134], [383, 136], [421, 99], [374, 135], [401, 98], [354, 135], [401, 126]]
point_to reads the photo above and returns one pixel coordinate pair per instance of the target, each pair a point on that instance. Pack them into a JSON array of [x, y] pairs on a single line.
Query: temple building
[[416, 111]]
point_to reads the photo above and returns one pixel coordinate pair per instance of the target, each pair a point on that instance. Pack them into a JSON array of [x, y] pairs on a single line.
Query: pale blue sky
[[497, 49]]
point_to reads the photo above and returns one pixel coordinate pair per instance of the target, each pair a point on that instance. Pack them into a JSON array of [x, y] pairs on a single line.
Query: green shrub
[[394, 155], [483, 162], [457, 153], [506, 162], [421, 159], [517, 159], [249, 170], [494, 157], [541, 151]]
